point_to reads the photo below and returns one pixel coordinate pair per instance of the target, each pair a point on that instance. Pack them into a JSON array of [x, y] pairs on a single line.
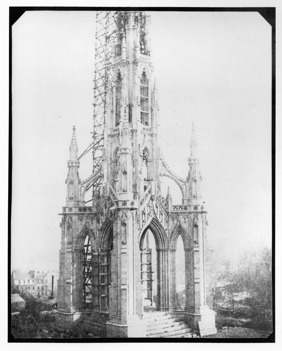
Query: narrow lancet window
[[144, 99], [87, 273], [118, 98]]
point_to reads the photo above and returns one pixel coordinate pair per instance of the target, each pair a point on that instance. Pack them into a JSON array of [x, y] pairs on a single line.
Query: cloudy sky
[[211, 68]]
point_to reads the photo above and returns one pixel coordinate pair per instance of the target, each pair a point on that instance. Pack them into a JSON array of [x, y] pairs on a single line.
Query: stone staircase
[[165, 325]]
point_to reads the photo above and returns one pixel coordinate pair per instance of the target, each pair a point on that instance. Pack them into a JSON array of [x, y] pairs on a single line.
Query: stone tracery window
[[118, 97], [144, 99]]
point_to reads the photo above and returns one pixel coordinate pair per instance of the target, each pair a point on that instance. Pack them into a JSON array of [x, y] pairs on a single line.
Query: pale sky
[[211, 68]]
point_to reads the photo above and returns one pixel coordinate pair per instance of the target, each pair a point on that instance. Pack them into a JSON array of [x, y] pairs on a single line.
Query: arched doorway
[[153, 270], [178, 269], [149, 276], [102, 270]]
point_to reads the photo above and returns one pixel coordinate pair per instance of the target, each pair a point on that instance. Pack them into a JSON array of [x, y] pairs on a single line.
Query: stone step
[[187, 334], [178, 317], [165, 319], [166, 330], [166, 325], [162, 315], [155, 313], [150, 315], [163, 325], [159, 318], [181, 333]]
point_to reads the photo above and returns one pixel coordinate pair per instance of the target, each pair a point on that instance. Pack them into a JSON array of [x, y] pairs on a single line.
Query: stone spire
[[73, 181], [73, 147], [193, 144], [194, 176], [168, 199]]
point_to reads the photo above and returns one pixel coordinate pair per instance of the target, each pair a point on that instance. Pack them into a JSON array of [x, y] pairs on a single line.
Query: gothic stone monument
[[105, 259]]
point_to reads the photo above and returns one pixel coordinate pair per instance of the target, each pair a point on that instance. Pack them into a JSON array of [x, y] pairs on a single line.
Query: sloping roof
[[15, 298], [52, 301]]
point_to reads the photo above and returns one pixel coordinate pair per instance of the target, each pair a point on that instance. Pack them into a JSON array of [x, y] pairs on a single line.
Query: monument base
[[89, 320], [132, 329], [202, 321]]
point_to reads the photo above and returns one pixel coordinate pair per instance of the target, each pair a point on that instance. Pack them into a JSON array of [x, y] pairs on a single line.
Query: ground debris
[[239, 332]]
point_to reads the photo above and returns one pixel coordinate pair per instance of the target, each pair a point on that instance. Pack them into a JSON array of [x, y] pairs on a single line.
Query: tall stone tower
[[106, 271]]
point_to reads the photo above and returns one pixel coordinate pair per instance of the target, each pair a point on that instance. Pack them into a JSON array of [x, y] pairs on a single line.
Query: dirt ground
[[238, 332]]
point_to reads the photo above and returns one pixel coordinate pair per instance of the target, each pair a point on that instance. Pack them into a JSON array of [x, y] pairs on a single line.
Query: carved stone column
[[189, 280], [77, 280], [114, 290], [162, 279], [125, 312], [197, 309], [172, 281]]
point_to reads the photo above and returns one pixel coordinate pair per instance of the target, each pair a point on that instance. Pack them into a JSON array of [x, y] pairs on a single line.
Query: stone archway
[[178, 231], [106, 238], [161, 256], [81, 269], [102, 267]]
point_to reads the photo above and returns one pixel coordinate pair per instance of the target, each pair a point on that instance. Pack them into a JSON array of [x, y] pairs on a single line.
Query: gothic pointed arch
[[178, 230], [144, 68], [158, 232], [106, 236], [80, 238], [145, 151]]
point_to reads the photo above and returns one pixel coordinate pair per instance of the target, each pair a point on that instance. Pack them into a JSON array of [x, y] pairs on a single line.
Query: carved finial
[[193, 135], [73, 139], [73, 146], [193, 143], [168, 196]]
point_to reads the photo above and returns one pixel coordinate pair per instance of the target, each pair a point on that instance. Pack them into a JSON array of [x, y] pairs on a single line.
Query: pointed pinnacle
[[73, 139], [193, 135], [193, 143], [73, 146], [168, 196]]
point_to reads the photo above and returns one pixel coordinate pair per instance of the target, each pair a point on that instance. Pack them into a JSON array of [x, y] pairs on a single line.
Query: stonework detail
[[103, 245]]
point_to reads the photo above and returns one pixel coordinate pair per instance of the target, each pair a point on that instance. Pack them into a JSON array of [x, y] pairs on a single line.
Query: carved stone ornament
[[69, 223], [150, 209], [138, 220], [123, 218], [195, 219]]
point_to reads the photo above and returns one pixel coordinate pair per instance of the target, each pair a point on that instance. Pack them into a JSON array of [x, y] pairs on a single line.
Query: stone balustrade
[[79, 209], [187, 208]]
